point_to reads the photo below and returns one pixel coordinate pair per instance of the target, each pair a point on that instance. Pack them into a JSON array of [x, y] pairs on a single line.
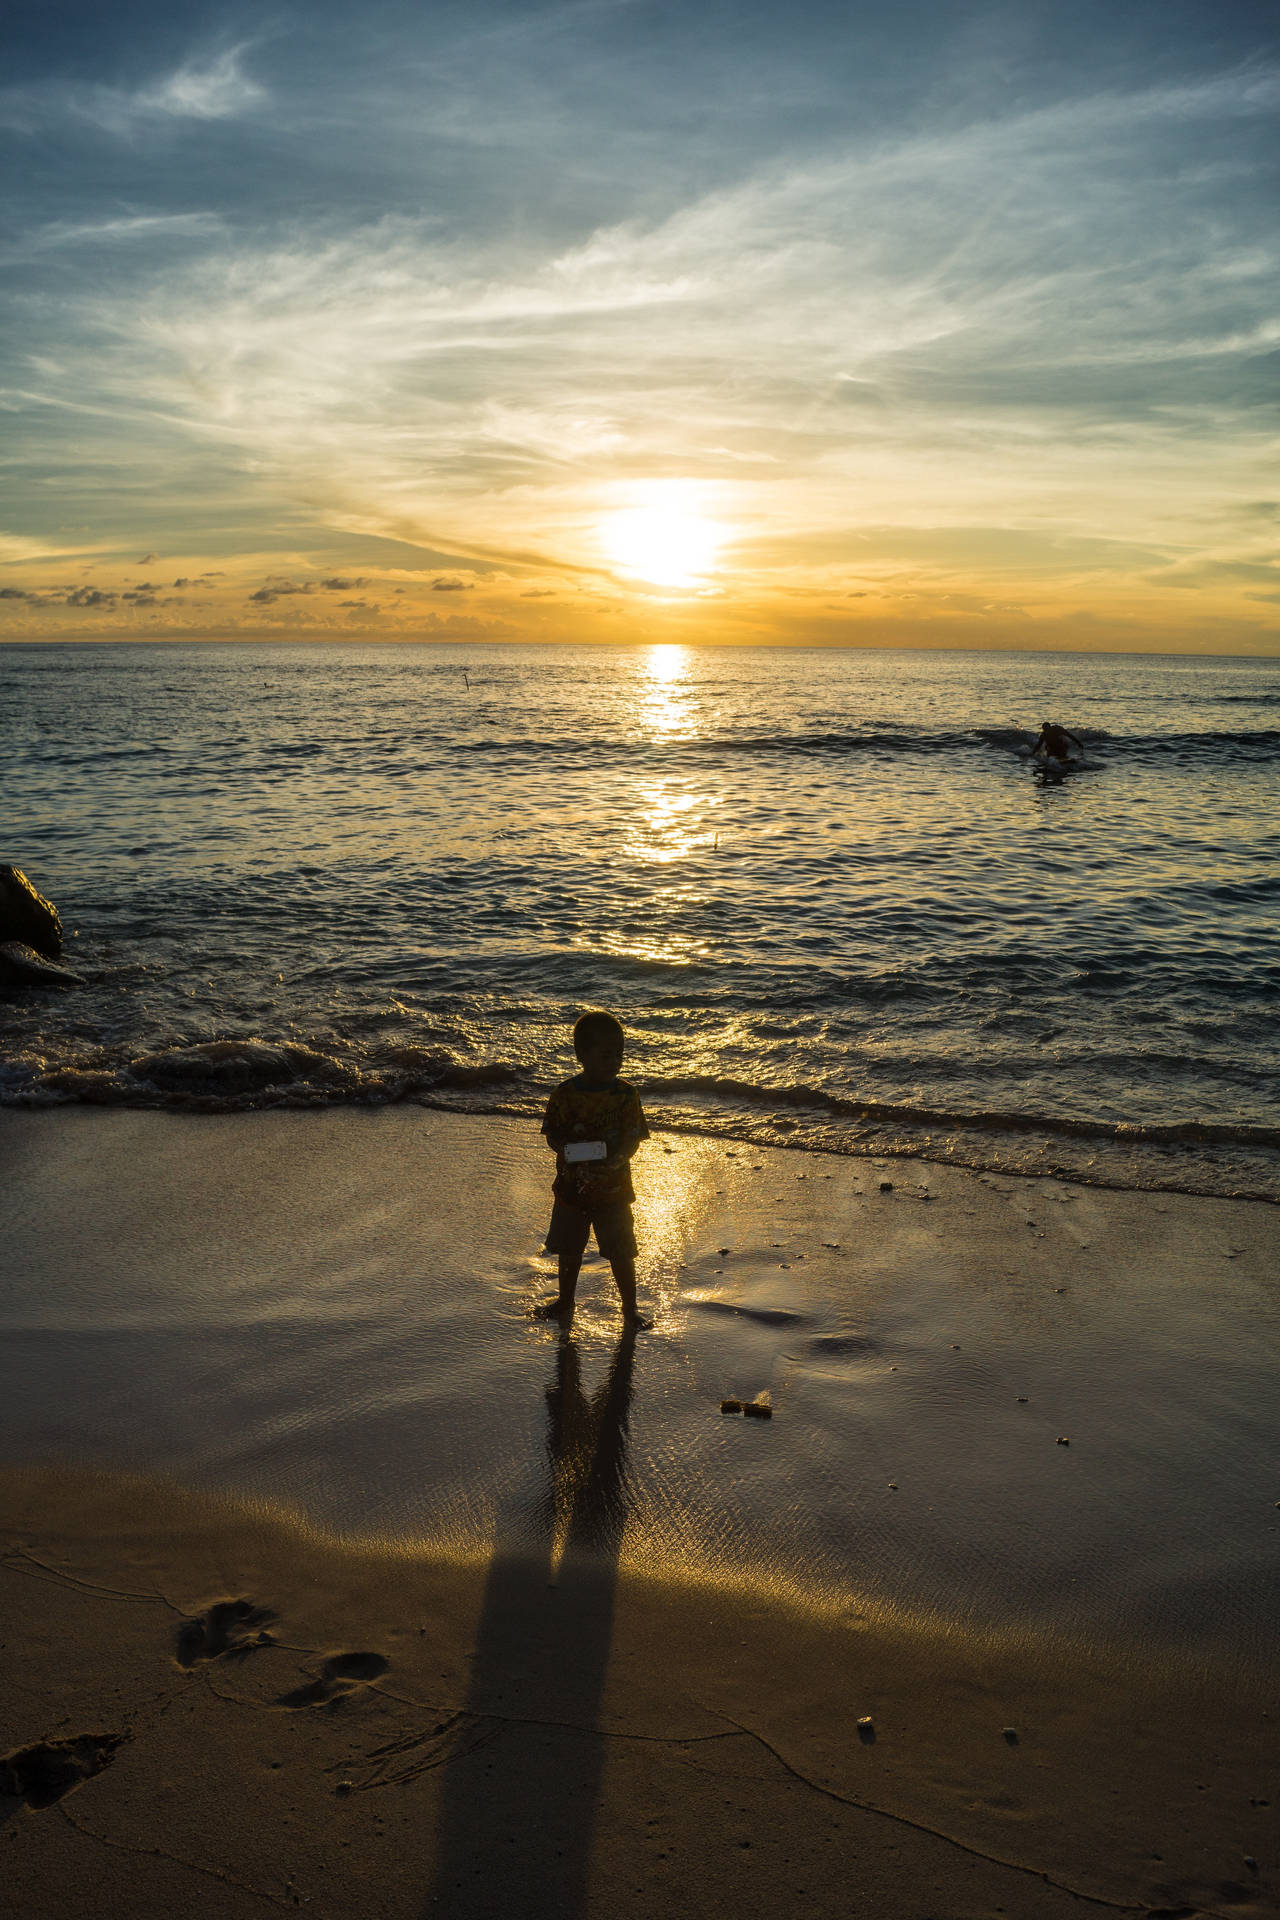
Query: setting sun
[[665, 540]]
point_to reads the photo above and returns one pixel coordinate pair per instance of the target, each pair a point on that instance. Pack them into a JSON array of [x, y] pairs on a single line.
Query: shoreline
[[823, 1121]]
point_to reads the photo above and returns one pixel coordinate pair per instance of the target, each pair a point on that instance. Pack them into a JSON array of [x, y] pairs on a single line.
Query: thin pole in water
[[466, 676]]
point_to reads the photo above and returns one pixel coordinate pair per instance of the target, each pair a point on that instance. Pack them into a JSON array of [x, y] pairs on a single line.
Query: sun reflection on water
[[669, 822], [667, 708], [669, 818]]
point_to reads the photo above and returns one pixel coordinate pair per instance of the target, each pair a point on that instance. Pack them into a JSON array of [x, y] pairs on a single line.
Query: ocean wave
[[947, 1119], [711, 744], [1259, 743], [837, 743], [818, 744], [243, 1074], [254, 1075]]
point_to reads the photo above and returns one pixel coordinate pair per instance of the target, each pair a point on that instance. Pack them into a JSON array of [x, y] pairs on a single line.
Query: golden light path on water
[[672, 818]]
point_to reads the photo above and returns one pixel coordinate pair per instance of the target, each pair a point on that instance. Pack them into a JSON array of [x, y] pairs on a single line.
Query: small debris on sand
[[1063, 1440], [886, 1186], [1011, 1735], [731, 1406], [758, 1410]]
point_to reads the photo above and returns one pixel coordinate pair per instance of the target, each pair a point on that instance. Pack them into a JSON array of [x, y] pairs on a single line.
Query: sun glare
[[664, 540], [667, 708]]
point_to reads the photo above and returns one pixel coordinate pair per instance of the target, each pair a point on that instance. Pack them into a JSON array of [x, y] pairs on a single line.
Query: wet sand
[[453, 1615]]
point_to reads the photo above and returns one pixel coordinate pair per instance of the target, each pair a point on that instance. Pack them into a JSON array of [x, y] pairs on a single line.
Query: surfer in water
[[1057, 742]]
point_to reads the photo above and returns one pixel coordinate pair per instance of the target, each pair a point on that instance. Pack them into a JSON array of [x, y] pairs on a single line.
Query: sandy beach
[[331, 1581]]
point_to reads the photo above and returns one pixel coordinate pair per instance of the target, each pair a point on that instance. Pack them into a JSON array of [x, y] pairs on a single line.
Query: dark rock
[[731, 1406], [1011, 1735], [22, 966], [1063, 1440], [27, 916], [886, 1186], [867, 1730], [758, 1410]]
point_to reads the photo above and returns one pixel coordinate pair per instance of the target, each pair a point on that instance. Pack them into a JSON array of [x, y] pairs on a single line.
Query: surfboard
[[1050, 763]]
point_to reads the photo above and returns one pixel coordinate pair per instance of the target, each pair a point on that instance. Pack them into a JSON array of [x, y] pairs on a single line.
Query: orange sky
[[558, 329]]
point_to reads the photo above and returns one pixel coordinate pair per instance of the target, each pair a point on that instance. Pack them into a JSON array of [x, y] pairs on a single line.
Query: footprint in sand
[[42, 1773], [340, 1675], [825, 1344], [229, 1629], [767, 1316]]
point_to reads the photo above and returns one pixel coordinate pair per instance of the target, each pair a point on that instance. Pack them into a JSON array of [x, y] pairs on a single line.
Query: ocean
[[831, 898]]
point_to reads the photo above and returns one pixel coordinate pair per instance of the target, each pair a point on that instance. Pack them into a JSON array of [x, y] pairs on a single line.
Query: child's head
[[598, 1043]]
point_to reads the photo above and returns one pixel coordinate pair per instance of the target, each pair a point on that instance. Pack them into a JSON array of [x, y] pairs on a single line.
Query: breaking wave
[[254, 1075]]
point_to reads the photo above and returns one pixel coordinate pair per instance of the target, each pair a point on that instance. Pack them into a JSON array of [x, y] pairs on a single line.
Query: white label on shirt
[[578, 1150]]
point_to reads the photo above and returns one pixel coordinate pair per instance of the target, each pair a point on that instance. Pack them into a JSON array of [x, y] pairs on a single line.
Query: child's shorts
[[614, 1229]]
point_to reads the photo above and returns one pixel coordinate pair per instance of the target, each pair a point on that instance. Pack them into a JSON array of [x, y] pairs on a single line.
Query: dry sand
[[581, 1707]]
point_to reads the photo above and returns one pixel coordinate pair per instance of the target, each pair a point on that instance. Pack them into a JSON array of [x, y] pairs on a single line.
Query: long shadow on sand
[[517, 1813]]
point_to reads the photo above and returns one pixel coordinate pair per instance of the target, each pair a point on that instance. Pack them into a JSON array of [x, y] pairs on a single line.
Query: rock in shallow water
[[26, 916], [22, 966]]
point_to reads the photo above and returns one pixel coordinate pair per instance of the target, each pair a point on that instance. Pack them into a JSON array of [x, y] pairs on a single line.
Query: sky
[[927, 324]]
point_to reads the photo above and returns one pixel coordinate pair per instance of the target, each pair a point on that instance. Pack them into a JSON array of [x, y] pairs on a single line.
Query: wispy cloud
[[216, 89], [1035, 341], [983, 288], [138, 229], [213, 87]]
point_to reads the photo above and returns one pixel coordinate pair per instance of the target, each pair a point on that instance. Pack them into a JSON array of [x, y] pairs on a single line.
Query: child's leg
[[569, 1268], [567, 1239], [624, 1274], [562, 1303]]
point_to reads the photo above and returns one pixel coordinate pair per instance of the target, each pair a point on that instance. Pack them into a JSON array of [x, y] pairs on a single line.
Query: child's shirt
[[612, 1112]]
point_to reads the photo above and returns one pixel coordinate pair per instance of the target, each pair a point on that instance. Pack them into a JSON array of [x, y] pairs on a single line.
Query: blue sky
[[923, 325]]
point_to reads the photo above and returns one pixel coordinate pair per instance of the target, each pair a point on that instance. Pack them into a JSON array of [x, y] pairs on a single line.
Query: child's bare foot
[[553, 1309], [637, 1323]]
